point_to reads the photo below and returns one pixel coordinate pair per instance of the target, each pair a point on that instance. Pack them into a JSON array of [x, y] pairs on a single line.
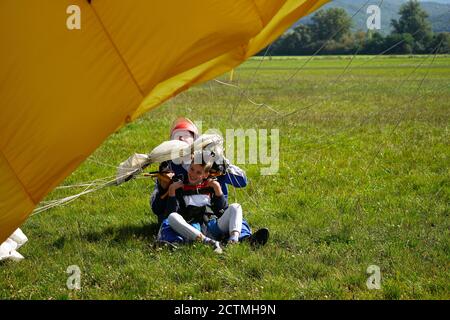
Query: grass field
[[364, 180]]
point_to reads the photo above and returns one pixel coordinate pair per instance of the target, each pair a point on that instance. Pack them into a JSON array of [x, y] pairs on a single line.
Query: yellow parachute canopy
[[64, 90]]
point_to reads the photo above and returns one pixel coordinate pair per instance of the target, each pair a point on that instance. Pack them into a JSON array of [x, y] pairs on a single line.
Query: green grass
[[364, 179]]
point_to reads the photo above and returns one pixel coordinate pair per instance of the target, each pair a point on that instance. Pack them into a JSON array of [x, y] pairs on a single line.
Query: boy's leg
[[187, 231], [177, 223]]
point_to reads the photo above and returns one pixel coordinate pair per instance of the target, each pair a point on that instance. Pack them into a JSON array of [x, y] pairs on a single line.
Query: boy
[[187, 204]]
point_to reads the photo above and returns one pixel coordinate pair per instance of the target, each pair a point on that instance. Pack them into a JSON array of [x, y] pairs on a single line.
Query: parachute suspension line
[[324, 45], [59, 202], [231, 75], [84, 184], [95, 182], [102, 163], [397, 88], [235, 195], [80, 185], [211, 93], [259, 105], [234, 180], [371, 115], [308, 60], [330, 95], [279, 113], [361, 64], [332, 82], [252, 79], [92, 187], [412, 101], [347, 67], [345, 70], [401, 118], [243, 93], [249, 196]]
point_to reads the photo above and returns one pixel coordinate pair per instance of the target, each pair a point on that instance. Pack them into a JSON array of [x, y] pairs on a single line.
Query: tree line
[[330, 33]]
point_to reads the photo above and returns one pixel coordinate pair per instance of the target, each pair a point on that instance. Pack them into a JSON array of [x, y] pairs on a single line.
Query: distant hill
[[438, 1], [438, 11]]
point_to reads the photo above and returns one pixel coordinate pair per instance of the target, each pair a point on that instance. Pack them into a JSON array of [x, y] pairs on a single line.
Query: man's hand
[[174, 187], [220, 168], [165, 179]]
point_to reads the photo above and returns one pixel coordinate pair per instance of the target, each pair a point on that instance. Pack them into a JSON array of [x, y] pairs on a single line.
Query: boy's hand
[[173, 188], [212, 183]]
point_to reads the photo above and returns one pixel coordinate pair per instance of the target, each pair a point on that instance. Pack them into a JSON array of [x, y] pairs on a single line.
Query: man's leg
[[231, 222]]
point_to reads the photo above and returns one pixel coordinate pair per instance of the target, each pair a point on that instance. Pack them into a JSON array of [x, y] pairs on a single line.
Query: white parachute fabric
[[170, 150], [131, 167], [8, 249], [208, 141], [208, 146]]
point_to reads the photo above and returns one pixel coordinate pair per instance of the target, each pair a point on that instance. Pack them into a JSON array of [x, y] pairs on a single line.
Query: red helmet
[[183, 124]]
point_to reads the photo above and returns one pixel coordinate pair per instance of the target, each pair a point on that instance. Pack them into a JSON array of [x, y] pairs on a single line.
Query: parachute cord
[[102, 163], [259, 105], [281, 116], [324, 44], [244, 91], [85, 184], [339, 76], [62, 201], [373, 114], [401, 118], [89, 183], [328, 96], [252, 79], [358, 65], [89, 189], [249, 196], [308, 60], [414, 99]]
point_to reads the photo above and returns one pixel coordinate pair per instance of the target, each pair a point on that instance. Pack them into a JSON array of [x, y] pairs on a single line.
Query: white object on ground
[[9, 247]]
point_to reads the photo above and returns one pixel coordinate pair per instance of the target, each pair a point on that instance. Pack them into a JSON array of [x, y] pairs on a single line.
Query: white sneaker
[[217, 247]]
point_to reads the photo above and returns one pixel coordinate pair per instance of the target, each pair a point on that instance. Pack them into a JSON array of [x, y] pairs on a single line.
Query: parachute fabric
[[65, 91]]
